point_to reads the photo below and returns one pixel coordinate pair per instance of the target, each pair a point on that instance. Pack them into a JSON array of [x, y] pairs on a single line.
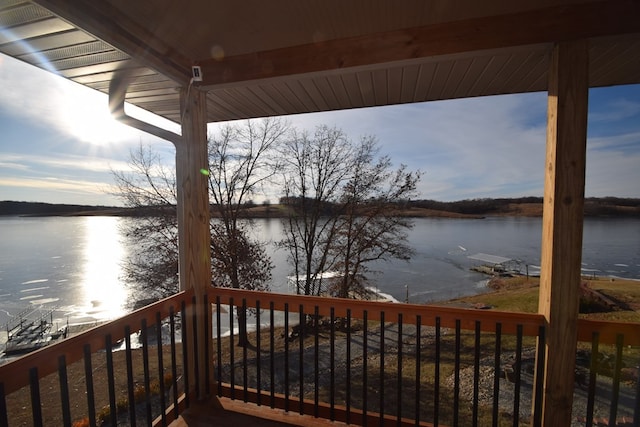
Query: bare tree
[[150, 188], [342, 198], [239, 165], [369, 227], [316, 168]]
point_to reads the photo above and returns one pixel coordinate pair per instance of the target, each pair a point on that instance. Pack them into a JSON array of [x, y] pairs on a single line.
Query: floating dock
[[30, 331]]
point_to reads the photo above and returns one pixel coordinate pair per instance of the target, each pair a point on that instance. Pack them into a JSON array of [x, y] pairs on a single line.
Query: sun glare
[[86, 115], [104, 294]]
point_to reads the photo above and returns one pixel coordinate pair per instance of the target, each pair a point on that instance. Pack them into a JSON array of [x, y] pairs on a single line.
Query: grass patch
[[520, 294]]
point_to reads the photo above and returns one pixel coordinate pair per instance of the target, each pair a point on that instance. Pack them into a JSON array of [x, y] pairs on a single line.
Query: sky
[[58, 143]]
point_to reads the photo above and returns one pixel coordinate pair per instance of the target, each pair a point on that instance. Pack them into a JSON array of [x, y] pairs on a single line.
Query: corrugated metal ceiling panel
[[34, 35], [489, 74]]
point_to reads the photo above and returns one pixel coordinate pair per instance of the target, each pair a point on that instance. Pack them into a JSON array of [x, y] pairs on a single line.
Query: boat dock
[[31, 330], [495, 265]]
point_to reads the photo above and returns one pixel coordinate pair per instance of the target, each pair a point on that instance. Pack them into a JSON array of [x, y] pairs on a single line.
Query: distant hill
[[49, 209], [470, 208], [530, 206]]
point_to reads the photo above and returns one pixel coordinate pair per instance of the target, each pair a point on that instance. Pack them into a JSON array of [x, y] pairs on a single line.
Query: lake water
[[74, 264]]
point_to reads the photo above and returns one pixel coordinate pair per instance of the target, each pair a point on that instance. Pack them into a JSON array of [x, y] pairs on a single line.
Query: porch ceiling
[[288, 56]]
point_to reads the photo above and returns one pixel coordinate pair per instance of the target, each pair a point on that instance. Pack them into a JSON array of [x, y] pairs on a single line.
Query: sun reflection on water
[[105, 295]]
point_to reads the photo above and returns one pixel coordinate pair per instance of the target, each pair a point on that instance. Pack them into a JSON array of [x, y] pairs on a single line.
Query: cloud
[[467, 148], [68, 163], [622, 143], [56, 190], [11, 165], [611, 173], [52, 183], [616, 110]]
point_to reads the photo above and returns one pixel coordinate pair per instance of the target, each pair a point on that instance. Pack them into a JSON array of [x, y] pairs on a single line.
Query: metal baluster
[[518, 374], [365, 369], [145, 370], [636, 412], [418, 379], [613, 413], [207, 343], [348, 372], [4, 421], [272, 362], [245, 341], [496, 374], [476, 374], [64, 390], [301, 359], [219, 344], [174, 364], [456, 377], [88, 373], [36, 408], [540, 356], [399, 373], [185, 353], [381, 386], [316, 344], [286, 357], [332, 361], [232, 345], [113, 409], [159, 347], [196, 344], [130, 393], [436, 375], [258, 356]]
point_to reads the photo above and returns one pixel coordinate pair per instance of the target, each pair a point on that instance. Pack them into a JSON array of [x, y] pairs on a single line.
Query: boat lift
[[495, 264]]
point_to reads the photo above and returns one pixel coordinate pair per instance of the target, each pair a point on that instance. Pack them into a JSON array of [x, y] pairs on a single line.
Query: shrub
[[81, 423]]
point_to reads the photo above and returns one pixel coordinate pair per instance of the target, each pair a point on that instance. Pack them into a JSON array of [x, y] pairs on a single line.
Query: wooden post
[[193, 225], [562, 225]]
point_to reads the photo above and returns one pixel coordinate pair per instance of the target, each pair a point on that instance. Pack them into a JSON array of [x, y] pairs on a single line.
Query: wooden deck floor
[[235, 413]]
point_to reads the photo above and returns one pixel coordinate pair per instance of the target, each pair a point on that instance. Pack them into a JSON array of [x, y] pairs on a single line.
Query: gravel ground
[[625, 409], [603, 395]]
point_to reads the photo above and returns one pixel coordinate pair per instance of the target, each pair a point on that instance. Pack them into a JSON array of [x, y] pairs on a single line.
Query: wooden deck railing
[[375, 363], [380, 364], [85, 380], [365, 363]]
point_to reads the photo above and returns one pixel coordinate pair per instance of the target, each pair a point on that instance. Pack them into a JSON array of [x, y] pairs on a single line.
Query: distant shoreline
[[469, 209]]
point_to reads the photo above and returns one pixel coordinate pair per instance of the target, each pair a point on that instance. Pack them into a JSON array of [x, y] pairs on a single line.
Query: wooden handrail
[[448, 316], [15, 374], [608, 331]]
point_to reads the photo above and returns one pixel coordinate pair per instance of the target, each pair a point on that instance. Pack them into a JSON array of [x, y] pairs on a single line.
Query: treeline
[[611, 206], [594, 206], [475, 206], [12, 208], [46, 209]]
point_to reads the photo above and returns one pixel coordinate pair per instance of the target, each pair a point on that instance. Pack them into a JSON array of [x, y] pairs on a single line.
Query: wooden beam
[[105, 22], [562, 225], [193, 229], [549, 25]]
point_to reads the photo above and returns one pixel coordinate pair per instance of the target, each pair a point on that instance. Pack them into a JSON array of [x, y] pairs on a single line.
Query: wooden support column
[[562, 225], [193, 227]]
